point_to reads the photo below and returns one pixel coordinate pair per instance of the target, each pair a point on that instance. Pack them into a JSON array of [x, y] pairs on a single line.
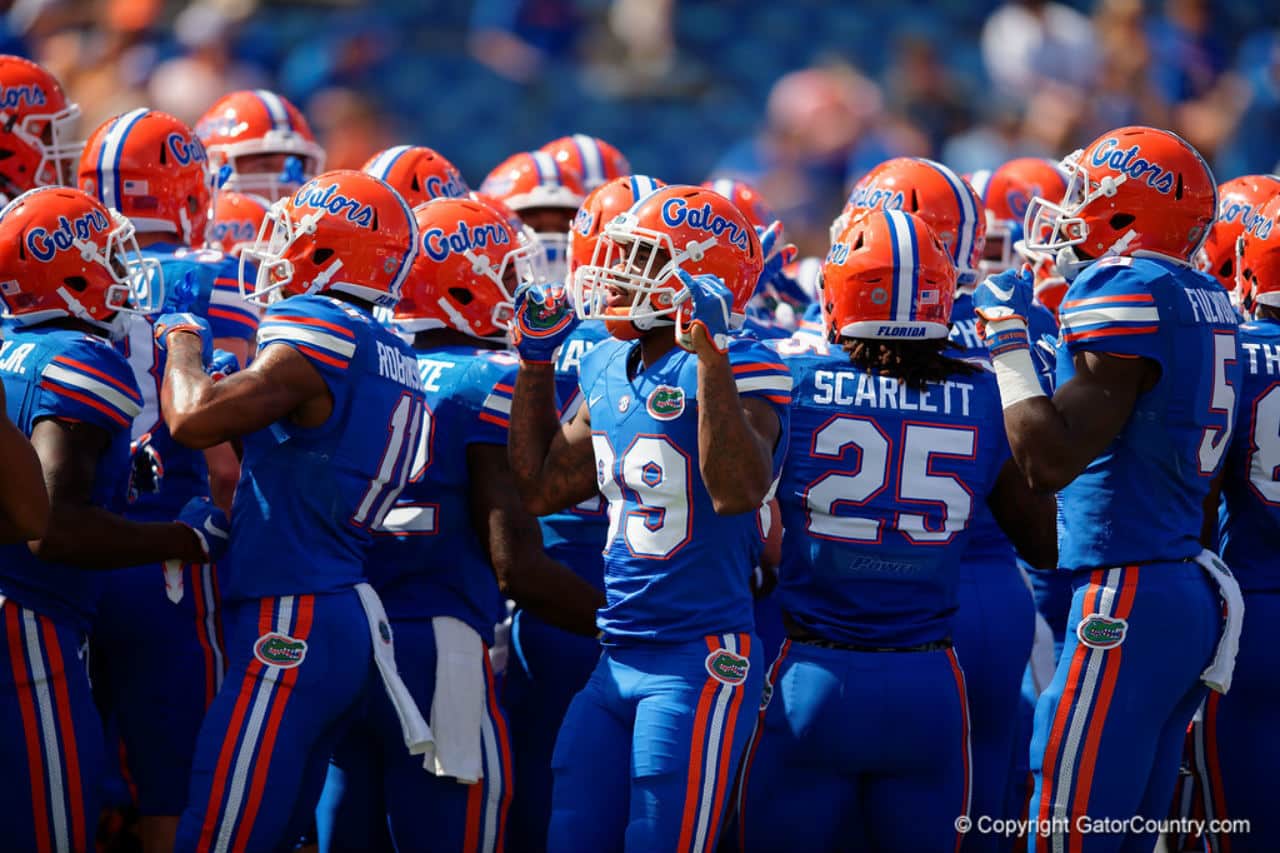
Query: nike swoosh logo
[[593, 400], [1004, 295]]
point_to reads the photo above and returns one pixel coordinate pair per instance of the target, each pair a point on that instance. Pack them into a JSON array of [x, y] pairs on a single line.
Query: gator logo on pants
[[728, 667], [280, 650], [1101, 632], [666, 403]]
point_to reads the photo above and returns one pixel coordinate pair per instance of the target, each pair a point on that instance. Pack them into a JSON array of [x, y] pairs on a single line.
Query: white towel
[[1218, 674], [458, 706], [417, 735]]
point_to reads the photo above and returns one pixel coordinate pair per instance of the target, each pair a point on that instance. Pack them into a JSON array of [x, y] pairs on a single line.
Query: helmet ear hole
[[78, 283], [1120, 220], [915, 201], [1224, 271], [1177, 191], [461, 295], [319, 256]]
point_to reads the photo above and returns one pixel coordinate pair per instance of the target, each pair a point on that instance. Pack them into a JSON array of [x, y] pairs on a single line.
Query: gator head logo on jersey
[[766, 695], [666, 403], [1101, 632], [280, 650], [728, 667]]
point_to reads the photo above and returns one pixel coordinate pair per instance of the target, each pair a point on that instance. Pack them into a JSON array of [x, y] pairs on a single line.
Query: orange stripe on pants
[[35, 758], [726, 749], [705, 701]]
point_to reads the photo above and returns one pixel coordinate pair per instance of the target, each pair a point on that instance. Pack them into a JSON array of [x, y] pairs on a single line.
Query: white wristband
[[1016, 376]]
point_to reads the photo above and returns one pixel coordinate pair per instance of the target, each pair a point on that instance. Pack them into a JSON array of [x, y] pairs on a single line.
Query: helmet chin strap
[[186, 225], [77, 309], [322, 279]]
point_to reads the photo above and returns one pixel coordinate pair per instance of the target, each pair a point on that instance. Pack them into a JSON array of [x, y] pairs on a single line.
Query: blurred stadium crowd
[[800, 98]]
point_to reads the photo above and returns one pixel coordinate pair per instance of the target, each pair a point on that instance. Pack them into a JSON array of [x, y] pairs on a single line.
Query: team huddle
[[362, 511]]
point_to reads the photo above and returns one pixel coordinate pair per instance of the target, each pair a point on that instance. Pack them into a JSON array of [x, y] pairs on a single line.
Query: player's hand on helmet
[[704, 306], [775, 256], [544, 319], [185, 323], [222, 365], [209, 524], [1003, 303]]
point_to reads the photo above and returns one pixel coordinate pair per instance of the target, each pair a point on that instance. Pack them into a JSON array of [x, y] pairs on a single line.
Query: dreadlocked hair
[[915, 363]]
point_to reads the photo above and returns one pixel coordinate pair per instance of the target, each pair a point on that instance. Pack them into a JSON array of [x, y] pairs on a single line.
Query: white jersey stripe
[[1111, 315], [211, 623], [498, 403], [771, 382], [49, 730], [270, 331], [97, 388]]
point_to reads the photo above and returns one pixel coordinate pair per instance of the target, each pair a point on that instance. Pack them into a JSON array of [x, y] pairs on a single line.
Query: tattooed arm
[[553, 463], [736, 437]]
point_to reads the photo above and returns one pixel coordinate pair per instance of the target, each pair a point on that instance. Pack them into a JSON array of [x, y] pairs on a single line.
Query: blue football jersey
[[674, 570], [987, 542], [878, 496], [1251, 482], [58, 373], [586, 524], [309, 499], [165, 474], [427, 560], [1141, 499]]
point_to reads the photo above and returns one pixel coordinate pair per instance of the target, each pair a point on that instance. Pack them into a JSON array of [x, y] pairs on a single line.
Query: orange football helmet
[[1006, 192], [265, 127], [631, 281], [933, 192], [599, 208], [1257, 259], [344, 231], [37, 126], [888, 277], [237, 219], [594, 160], [1239, 202], [747, 198], [418, 173], [545, 195], [62, 254], [1134, 189], [470, 261], [150, 166]]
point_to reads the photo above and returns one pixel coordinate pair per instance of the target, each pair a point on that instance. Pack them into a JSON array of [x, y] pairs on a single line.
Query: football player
[[456, 527], [595, 161], [683, 430], [37, 143], [329, 412], [994, 652], [1240, 202], [418, 173], [1134, 438], [151, 168], [551, 665], [68, 278], [865, 736], [545, 195], [259, 142], [1235, 750]]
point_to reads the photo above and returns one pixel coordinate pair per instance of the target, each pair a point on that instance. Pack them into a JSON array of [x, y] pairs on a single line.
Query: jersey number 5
[[1214, 440]]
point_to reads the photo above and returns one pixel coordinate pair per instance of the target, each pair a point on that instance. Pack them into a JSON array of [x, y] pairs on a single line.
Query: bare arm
[[736, 437], [1054, 440], [553, 464], [513, 540], [1028, 518], [24, 503], [87, 536], [201, 413], [239, 347], [224, 474]]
